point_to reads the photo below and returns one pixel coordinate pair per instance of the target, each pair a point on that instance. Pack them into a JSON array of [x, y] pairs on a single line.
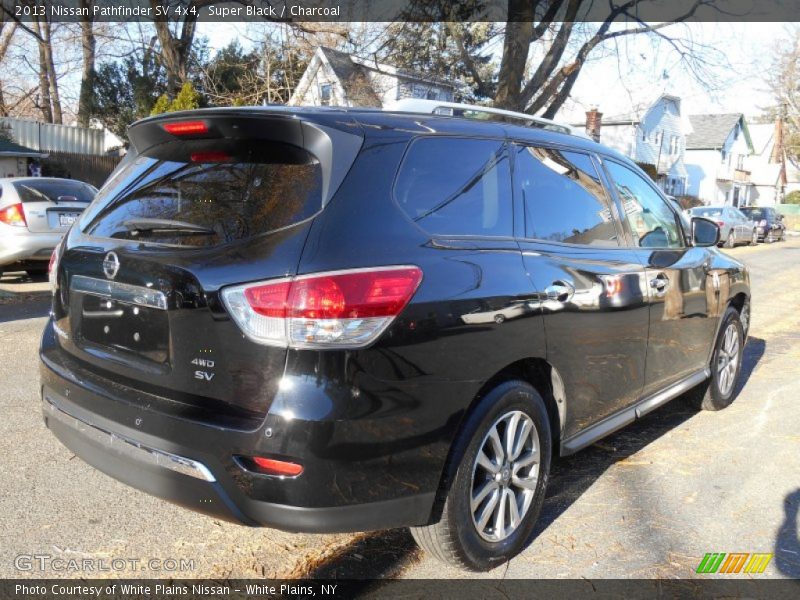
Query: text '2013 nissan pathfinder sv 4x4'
[[330, 320]]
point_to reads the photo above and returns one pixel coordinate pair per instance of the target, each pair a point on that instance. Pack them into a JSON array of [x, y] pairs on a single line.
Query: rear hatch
[[52, 205], [139, 279]]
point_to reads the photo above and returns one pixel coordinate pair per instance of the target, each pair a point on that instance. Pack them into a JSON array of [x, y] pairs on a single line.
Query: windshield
[[54, 191], [190, 193], [754, 213]]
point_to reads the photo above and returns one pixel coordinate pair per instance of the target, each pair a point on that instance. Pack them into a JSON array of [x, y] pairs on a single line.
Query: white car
[[35, 212]]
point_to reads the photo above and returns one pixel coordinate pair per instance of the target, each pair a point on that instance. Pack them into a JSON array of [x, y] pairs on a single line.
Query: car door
[[595, 314], [680, 286]]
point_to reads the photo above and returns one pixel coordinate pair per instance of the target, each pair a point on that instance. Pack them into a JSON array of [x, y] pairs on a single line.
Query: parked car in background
[[734, 227], [315, 319], [769, 222], [35, 212]]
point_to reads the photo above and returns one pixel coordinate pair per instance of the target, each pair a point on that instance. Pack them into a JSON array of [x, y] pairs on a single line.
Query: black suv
[[332, 320], [769, 222]]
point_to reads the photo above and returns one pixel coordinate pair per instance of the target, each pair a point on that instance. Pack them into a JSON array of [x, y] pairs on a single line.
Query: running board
[[629, 415]]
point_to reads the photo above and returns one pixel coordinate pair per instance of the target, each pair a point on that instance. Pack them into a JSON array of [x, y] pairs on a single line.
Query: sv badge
[[203, 375]]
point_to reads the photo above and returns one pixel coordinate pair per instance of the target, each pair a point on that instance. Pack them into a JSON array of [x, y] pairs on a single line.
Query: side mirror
[[704, 232]]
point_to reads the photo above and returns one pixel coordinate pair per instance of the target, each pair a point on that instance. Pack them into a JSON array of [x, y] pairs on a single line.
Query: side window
[[563, 197], [651, 221], [456, 186]]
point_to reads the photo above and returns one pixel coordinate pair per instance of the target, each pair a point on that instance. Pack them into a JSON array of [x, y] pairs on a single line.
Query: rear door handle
[[560, 291]]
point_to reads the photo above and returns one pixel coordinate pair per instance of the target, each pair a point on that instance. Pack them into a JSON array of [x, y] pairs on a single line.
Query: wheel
[[754, 238], [499, 318], [730, 242], [496, 481], [770, 237], [726, 365]]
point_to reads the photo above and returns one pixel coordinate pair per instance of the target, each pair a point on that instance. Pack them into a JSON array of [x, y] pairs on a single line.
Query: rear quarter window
[[193, 194], [457, 186]]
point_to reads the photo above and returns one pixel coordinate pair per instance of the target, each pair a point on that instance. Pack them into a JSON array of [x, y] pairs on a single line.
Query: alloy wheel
[[505, 476], [728, 359]]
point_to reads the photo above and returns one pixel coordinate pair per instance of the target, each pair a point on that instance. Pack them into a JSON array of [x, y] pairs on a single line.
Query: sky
[[640, 71]]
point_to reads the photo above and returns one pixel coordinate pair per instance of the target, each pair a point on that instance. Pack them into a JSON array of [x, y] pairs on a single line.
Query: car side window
[[652, 222], [563, 197], [456, 186]]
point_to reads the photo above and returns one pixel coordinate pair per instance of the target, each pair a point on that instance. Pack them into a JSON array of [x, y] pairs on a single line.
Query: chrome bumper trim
[[128, 447], [123, 292]]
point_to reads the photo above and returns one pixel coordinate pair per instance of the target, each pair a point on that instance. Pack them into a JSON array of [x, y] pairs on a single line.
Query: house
[[653, 136], [51, 137], [14, 158], [335, 78], [716, 150]]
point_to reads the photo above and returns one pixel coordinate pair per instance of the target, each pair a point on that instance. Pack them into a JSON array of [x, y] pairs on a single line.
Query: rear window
[[54, 191], [208, 193], [452, 186], [707, 212]]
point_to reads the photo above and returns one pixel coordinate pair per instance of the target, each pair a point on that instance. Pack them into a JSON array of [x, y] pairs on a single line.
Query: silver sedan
[[35, 212]]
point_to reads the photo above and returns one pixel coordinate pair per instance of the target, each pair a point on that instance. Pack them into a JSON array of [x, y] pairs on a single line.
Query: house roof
[[711, 131], [352, 76], [8, 148]]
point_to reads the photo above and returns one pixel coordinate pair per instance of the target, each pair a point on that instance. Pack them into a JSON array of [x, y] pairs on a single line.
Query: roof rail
[[454, 109]]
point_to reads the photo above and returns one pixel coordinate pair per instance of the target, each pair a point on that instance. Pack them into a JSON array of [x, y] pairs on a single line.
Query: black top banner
[[632, 11]]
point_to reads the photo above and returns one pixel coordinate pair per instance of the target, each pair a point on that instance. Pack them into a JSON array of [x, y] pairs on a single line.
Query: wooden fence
[[83, 167]]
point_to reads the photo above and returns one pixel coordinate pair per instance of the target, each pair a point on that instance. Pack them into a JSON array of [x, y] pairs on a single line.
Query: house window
[[740, 162], [432, 95], [644, 135], [325, 94], [674, 144]]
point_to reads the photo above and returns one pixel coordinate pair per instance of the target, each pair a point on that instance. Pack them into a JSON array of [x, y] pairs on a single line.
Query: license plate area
[[65, 219], [138, 330]]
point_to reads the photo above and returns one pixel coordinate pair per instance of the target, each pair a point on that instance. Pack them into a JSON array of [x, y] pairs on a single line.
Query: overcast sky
[[644, 71]]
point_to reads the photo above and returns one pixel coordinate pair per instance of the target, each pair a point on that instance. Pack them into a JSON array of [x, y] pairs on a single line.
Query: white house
[[716, 151], [652, 136], [335, 78]]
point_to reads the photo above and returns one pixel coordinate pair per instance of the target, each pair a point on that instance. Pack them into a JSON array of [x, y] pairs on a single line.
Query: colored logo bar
[[734, 562]]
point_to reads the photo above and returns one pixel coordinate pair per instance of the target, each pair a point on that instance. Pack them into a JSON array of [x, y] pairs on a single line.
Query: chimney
[[594, 120]]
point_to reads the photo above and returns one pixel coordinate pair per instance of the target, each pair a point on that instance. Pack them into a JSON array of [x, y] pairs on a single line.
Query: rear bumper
[[20, 245], [191, 463]]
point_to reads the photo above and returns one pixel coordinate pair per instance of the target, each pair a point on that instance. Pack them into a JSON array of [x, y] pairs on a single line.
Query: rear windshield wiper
[[138, 226]]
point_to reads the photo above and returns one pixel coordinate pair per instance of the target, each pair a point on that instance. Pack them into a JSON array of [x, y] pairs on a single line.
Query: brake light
[[185, 127], [13, 215], [327, 310], [271, 466]]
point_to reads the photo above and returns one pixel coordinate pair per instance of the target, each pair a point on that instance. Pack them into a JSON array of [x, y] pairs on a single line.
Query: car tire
[[770, 238], [731, 241], [719, 390], [480, 534], [754, 238]]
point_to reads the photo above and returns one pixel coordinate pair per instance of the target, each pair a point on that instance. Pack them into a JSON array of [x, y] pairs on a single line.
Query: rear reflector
[[342, 309], [13, 215], [185, 127], [210, 157], [270, 466], [721, 223]]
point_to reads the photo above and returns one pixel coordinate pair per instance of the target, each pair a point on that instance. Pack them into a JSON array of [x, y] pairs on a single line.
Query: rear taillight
[[186, 127], [13, 215], [52, 267], [341, 309]]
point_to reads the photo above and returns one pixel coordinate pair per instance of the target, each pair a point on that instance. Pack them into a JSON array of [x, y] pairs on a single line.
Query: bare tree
[[88, 48]]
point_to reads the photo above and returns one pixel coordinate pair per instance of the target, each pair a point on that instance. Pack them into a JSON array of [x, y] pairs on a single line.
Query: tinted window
[[563, 197], [46, 190], [652, 222], [454, 186], [191, 194]]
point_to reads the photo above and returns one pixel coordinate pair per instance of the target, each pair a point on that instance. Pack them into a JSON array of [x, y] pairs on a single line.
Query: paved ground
[[649, 501]]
